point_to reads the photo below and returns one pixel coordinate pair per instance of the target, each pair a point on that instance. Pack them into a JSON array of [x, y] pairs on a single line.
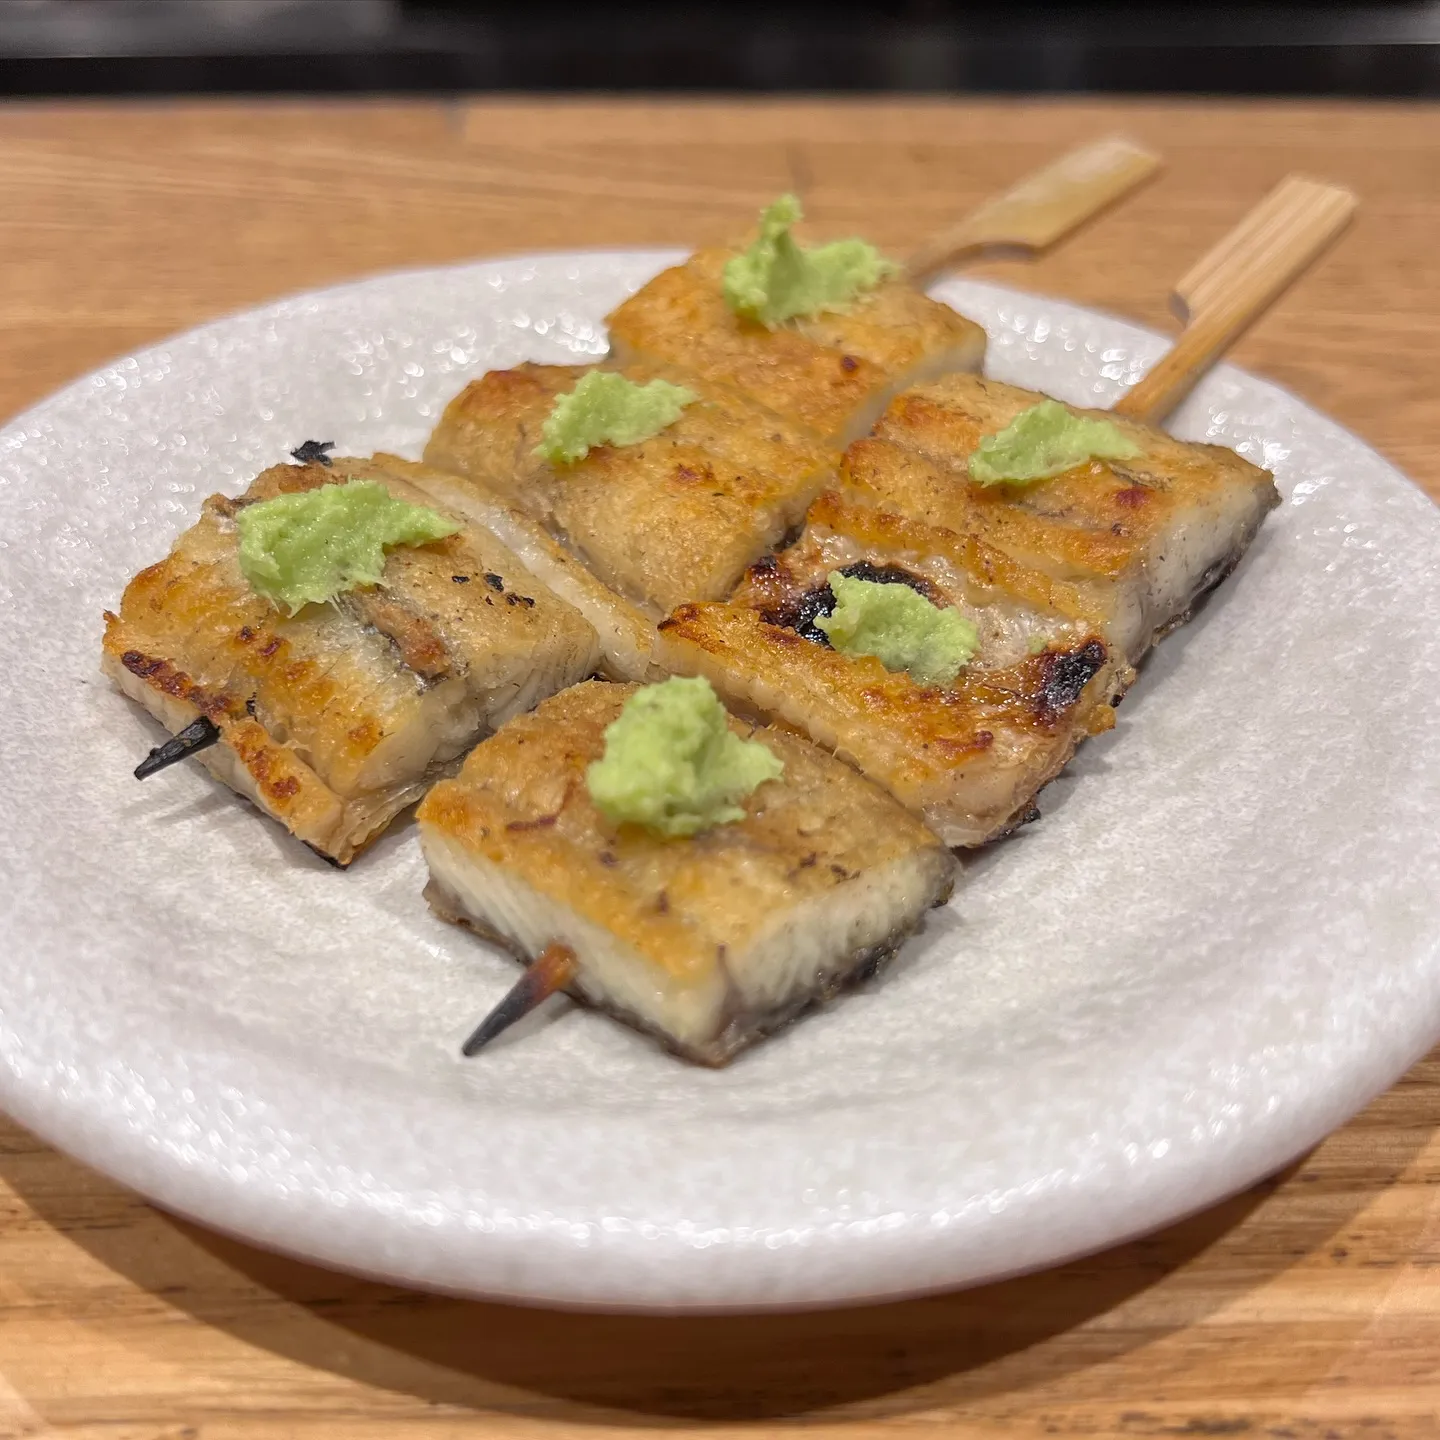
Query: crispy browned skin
[[1159, 529], [685, 937], [677, 517], [969, 757], [1005, 598], [832, 374], [335, 719]]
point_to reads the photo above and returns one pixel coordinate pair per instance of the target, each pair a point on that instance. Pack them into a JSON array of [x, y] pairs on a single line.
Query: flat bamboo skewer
[[1225, 292], [1042, 208]]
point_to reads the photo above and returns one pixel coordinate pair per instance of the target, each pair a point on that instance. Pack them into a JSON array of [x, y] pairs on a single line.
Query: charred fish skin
[[970, 757], [833, 374], [676, 517], [1154, 531], [334, 720], [708, 943]]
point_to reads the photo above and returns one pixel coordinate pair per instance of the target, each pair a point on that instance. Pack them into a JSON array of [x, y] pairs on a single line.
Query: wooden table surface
[[1308, 1307]]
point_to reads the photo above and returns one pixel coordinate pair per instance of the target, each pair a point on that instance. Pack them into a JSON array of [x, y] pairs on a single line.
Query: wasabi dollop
[[672, 763], [777, 280], [1046, 440], [900, 628], [607, 409], [316, 544]]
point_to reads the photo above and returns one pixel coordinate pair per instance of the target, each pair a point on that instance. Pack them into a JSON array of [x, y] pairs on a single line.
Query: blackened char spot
[[199, 734], [1066, 675], [801, 613], [494, 581], [311, 452]]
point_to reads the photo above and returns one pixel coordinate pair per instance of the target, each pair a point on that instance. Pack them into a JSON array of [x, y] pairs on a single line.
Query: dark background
[[108, 47]]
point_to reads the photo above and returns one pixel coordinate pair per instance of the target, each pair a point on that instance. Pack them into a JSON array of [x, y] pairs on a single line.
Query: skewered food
[[334, 718], [626, 635], [710, 940], [831, 369], [675, 516], [969, 751], [1151, 526]]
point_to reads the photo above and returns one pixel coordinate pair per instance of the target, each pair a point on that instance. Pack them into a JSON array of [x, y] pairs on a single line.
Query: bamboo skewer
[[1042, 209], [1226, 291]]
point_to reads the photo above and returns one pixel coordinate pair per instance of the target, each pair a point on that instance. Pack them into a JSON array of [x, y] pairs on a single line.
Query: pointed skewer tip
[[198, 735], [552, 970]]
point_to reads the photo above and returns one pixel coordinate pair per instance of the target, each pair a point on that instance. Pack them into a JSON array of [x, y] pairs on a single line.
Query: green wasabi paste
[[672, 763], [316, 544], [1046, 440], [777, 280], [607, 409], [900, 628]]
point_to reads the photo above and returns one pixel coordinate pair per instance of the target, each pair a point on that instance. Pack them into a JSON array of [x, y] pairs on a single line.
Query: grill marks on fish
[[1149, 530], [1066, 674], [334, 719], [667, 519], [832, 373], [970, 756]]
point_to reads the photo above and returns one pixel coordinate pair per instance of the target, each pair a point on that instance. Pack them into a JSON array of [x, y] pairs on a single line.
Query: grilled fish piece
[[833, 374], [335, 719], [707, 943], [1016, 610], [677, 517], [1158, 531], [626, 635], [969, 757]]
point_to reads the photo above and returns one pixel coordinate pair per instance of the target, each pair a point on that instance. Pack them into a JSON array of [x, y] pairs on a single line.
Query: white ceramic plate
[[1220, 941]]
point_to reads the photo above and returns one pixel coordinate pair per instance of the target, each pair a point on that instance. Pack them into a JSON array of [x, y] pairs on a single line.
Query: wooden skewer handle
[[1232, 286], [1042, 208]]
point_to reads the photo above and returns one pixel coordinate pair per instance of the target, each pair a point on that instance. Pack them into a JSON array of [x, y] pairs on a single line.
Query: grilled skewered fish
[[1156, 532], [710, 942], [969, 756], [626, 635], [676, 517], [335, 719], [833, 373]]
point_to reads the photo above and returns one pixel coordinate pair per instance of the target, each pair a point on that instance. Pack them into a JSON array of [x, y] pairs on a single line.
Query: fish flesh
[[706, 943], [968, 757], [626, 634], [676, 517], [1157, 531], [335, 719], [833, 373]]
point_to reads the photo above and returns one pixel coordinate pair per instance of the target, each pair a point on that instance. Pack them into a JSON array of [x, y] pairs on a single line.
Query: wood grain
[[1305, 1310], [1233, 285]]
